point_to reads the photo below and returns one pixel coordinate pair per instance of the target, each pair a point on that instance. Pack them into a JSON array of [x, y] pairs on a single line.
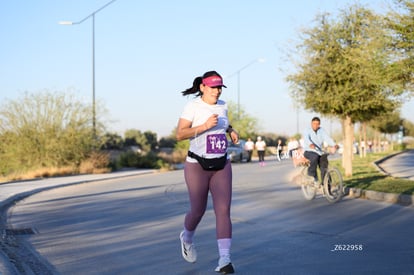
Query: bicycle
[[331, 186]]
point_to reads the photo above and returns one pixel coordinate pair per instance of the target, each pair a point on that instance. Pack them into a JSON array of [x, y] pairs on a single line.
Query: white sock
[[224, 246], [188, 236]]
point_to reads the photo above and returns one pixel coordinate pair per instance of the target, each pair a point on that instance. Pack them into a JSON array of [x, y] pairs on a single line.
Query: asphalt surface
[[15, 191], [400, 165]]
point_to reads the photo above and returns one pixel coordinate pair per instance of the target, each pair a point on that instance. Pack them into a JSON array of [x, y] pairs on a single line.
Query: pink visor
[[213, 81]]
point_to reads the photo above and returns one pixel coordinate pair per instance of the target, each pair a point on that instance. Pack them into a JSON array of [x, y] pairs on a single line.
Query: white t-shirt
[[213, 142], [249, 145], [260, 145], [293, 144]]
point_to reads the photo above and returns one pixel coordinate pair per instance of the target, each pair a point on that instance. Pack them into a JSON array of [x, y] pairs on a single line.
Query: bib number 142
[[216, 144]]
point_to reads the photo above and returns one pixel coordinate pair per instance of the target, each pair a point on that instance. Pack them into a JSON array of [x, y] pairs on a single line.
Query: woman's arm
[[185, 129]]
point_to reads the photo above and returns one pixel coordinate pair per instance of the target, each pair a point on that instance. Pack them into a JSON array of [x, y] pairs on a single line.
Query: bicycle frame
[[331, 186]]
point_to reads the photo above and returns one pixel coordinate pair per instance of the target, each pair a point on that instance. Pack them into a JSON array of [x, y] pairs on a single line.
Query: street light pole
[[297, 119], [92, 15], [261, 60]]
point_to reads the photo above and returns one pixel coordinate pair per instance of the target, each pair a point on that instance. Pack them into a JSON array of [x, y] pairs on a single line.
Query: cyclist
[[313, 140]]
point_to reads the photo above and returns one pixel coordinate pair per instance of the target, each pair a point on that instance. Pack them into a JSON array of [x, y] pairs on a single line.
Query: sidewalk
[[399, 165], [14, 191]]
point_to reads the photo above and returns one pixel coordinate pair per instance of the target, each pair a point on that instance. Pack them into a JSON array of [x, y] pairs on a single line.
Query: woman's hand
[[211, 121], [234, 136]]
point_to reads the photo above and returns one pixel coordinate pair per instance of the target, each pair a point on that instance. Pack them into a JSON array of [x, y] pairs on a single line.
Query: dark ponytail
[[197, 82], [195, 88]]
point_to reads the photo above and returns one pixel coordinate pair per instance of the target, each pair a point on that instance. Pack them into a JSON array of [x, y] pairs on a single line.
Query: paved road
[[131, 226]]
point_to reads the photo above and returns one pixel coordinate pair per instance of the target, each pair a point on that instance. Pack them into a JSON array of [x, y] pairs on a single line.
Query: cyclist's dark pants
[[315, 161]]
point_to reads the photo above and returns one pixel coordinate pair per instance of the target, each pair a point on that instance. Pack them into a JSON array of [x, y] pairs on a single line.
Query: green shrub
[[149, 160]]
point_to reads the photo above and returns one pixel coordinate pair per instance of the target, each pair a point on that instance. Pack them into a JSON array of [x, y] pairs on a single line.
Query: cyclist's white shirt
[[317, 138], [197, 111]]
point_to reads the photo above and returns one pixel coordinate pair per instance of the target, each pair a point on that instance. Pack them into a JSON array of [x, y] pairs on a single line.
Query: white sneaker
[[188, 250], [225, 266]]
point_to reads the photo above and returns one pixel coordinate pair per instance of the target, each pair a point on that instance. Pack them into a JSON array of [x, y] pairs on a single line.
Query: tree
[[401, 25], [388, 123], [131, 136], [168, 142], [408, 128], [151, 139], [147, 140], [112, 141], [245, 124], [346, 72], [44, 130]]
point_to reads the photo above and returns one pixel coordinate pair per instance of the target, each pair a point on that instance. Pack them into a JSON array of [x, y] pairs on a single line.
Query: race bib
[[216, 144]]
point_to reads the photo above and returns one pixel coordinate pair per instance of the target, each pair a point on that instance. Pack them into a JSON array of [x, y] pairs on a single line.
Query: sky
[[147, 52]]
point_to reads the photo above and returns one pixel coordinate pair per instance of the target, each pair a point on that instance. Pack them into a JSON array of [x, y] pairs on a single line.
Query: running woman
[[205, 123]]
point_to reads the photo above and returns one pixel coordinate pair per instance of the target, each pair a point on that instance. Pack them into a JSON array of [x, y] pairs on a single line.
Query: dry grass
[[97, 163], [177, 156], [40, 173]]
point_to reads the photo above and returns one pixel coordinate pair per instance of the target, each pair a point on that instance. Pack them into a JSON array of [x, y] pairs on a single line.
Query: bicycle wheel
[[308, 187], [333, 185], [308, 191]]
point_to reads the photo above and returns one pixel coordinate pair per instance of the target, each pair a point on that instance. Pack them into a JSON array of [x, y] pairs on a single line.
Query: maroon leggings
[[199, 183]]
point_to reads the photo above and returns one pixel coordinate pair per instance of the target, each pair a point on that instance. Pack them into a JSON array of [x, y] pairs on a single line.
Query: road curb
[[402, 199]]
